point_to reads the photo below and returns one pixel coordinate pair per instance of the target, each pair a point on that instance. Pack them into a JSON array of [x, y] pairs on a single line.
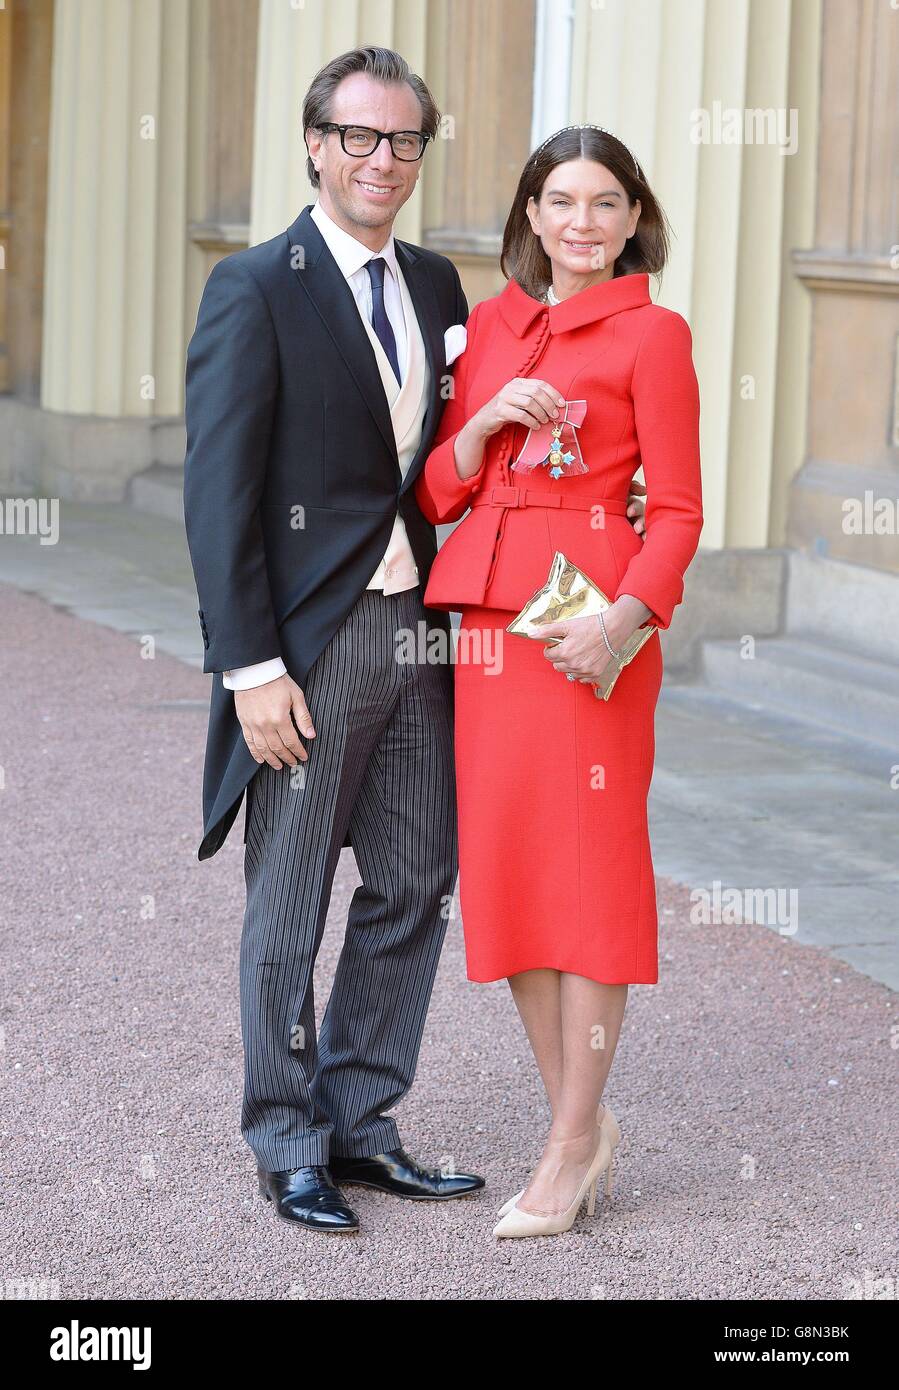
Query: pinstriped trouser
[[381, 764]]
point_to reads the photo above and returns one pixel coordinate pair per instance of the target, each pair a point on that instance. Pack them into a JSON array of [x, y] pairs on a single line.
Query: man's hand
[[636, 508], [265, 717]]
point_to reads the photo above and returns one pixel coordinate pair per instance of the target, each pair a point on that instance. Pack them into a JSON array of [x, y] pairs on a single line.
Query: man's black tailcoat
[[291, 478]]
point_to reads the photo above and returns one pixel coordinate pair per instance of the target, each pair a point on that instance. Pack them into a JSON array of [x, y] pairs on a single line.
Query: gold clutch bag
[[569, 593]]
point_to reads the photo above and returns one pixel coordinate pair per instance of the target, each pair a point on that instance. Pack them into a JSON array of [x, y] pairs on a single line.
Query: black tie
[[379, 320]]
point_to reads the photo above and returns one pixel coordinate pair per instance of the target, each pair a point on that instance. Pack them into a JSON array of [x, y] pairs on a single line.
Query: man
[[313, 391]]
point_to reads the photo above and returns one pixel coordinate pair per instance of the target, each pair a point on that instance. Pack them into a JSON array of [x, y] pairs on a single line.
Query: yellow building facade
[[141, 140]]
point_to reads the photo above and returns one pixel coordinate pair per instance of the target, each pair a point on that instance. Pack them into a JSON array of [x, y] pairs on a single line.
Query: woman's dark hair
[[384, 65], [523, 257]]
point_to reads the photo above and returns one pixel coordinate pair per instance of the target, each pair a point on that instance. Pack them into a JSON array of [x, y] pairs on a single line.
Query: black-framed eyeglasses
[[361, 140]]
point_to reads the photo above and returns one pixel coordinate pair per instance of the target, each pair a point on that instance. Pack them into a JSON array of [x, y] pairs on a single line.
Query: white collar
[[349, 253]]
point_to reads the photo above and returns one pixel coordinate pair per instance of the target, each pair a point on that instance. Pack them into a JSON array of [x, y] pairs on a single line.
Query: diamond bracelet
[[605, 638]]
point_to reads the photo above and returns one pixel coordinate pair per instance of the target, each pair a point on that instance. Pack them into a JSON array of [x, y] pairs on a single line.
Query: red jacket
[[631, 361]]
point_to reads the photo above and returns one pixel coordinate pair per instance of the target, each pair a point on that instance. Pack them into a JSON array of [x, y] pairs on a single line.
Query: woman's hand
[[582, 650], [522, 401]]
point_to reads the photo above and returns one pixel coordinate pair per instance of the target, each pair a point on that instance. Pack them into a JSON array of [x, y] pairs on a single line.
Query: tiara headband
[[588, 126]]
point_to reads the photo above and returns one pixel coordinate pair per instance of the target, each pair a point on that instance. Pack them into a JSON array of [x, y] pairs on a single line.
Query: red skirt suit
[[554, 858]]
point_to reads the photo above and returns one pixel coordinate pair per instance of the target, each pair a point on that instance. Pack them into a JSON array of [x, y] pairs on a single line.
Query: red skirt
[[555, 870]]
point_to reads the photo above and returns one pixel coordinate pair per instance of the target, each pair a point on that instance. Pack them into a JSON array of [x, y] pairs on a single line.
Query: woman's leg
[[538, 998], [590, 1014]]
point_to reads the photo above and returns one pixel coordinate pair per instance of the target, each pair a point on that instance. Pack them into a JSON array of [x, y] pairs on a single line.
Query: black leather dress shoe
[[396, 1172], [308, 1197]]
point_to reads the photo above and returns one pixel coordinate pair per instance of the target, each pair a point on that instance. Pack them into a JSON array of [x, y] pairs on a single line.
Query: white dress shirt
[[352, 258]]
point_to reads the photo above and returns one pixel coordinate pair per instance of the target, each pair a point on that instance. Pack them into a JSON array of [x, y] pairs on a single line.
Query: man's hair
[[384, 65]]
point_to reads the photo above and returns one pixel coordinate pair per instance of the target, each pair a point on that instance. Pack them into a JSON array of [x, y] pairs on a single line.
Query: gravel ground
[[754, 1085]]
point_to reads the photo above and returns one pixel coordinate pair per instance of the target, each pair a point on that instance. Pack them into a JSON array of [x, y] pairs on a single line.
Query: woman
[[555, 874]]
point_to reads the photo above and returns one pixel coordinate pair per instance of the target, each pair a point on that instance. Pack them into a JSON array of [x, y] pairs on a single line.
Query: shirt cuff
[[248, 677]]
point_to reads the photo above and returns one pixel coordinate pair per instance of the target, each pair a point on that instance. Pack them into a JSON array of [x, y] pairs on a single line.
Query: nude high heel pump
[[507, 1206], [609, 1126], [518, 1223]]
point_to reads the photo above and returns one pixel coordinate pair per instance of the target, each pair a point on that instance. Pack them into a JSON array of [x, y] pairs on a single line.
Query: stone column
[[738, 198], [115, 255], [852, 277]]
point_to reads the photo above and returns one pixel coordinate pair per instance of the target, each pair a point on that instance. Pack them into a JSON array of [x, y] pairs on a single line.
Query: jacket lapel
[[332, 298]]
